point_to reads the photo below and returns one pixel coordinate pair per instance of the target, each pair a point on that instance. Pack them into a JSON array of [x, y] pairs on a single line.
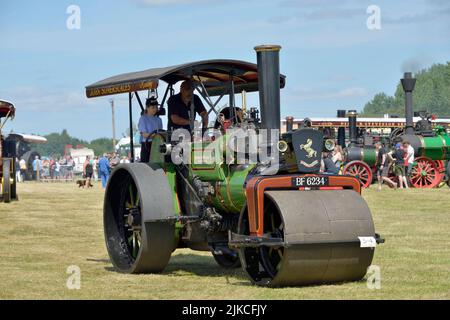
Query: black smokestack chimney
[[269, 85], [341, 130], [408, 83], [352, 129]]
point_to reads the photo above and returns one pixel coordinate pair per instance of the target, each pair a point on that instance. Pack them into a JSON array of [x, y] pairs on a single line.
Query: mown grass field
[[54, 226]]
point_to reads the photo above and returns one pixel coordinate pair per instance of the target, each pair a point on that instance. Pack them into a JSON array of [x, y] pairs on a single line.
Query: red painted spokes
[[426, 173], [361, 171]]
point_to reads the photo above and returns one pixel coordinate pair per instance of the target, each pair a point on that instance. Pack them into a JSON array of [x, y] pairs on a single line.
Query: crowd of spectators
[[391, 162], [63, 168]]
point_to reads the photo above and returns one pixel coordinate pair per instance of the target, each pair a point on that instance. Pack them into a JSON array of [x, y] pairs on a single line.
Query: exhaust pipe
[[408, 83], [352, 128], [341, 130], [269, 85]]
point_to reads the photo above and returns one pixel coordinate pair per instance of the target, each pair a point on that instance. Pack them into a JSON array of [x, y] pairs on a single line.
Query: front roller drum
[[136, 200], [318, 235]]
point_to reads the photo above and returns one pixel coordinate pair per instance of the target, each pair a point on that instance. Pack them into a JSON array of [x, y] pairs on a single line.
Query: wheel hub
[[134, 218]]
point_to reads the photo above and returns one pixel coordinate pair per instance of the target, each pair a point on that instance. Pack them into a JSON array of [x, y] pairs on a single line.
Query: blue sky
[[331, 59]]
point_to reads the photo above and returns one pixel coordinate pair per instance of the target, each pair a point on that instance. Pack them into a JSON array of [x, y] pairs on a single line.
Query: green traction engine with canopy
[[7, 155], [278, 218]]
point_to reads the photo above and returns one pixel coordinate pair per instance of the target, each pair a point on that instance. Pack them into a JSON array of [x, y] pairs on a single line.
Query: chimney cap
[[267, 47], [408, 82], [352, 113]]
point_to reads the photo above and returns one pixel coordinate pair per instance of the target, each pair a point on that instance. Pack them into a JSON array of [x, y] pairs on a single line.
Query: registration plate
[[310, 181]]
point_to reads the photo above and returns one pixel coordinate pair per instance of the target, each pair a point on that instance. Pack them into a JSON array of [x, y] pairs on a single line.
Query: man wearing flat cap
[[179, 113]]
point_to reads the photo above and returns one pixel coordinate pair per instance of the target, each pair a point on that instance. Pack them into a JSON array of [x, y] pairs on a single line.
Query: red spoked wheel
[[360, 170], [441, 169], [425, 173], [392, 175]]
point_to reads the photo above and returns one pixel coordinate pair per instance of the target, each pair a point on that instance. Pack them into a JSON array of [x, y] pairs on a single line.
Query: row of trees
[[432, 93], [56, 142]]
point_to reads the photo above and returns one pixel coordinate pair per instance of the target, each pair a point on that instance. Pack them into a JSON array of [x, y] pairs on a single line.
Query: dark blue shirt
[[177, 107]]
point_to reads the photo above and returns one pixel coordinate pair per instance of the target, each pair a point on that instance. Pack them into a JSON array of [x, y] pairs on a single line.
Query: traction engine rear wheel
[[425, 174], [440, 164], [361, 171], [134, 245]]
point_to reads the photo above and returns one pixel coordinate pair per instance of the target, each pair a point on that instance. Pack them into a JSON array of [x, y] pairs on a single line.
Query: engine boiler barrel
[[368, 155], [435, 148]]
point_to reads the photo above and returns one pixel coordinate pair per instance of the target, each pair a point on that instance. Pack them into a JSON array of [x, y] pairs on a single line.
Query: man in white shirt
[[409, 156], [23, 169]]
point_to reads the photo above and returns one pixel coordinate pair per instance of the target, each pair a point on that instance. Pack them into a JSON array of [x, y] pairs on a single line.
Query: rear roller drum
[[134, 245], [319, 231]]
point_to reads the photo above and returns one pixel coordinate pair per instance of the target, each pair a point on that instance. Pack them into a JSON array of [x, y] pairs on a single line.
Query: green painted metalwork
[[229, 195], [436, 148], [157, 157], [207, 160], [369, 156]]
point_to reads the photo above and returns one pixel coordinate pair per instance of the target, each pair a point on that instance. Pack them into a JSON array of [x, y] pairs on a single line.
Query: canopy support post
[[130, 112], [169, 88], [192, 108], [232, 102], [139, 100]]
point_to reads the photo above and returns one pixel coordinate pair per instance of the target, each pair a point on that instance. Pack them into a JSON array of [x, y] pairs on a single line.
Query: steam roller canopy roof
[[214, 74], [6, 109]]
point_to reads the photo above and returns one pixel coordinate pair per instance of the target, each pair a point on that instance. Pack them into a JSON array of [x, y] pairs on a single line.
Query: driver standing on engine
[[180, 106]]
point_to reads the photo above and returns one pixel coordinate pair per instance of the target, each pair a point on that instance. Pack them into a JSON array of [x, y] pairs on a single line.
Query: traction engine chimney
[[408, 83]]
